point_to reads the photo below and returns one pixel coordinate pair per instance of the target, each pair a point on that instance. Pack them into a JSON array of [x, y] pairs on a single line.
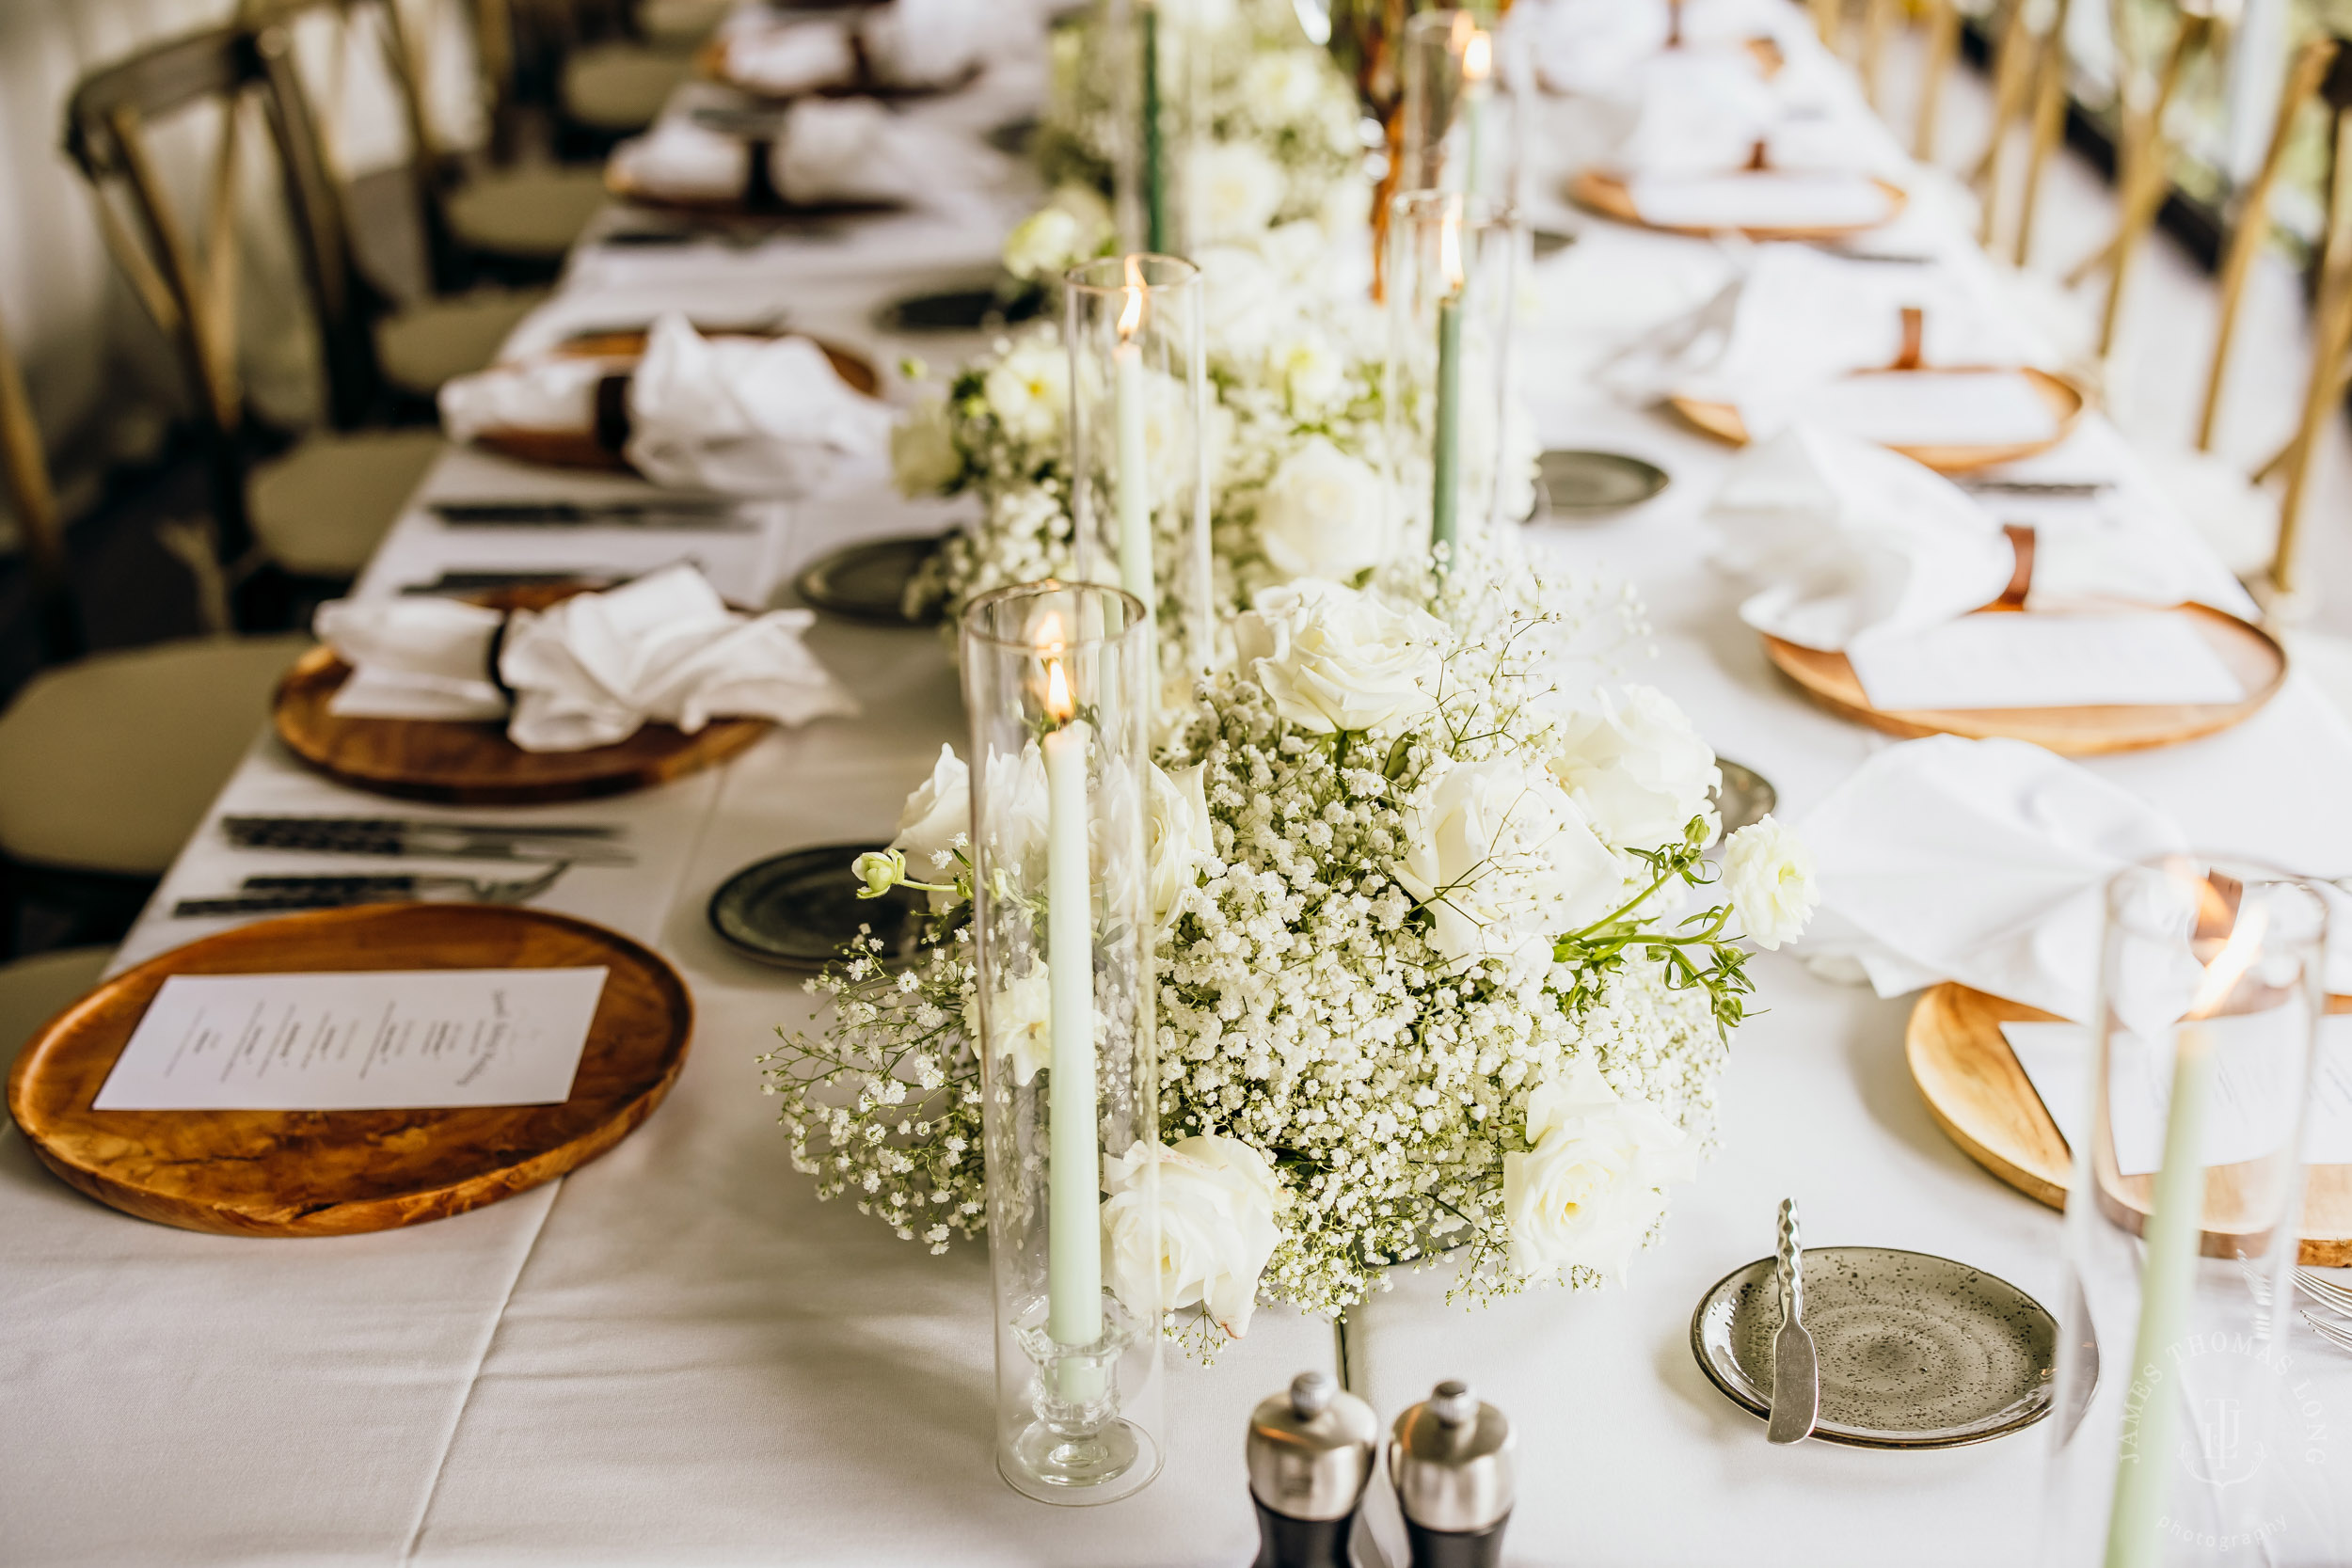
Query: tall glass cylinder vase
[[1461, 447], [1138, 481], [1461, 119], [1160, 58], [1057, 681], [2179, 1432]]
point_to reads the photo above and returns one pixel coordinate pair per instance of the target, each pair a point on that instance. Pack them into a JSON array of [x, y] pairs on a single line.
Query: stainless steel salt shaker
[[1311, 1454], [1455, 1472]]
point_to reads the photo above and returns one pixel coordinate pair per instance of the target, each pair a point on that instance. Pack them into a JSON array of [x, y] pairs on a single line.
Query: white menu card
[[2241, 1119], [371, 1040], [2041, 659]]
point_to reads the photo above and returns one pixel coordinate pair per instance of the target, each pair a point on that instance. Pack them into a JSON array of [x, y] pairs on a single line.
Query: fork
[[2334, 1333], [264, 894], [2328, 1295]]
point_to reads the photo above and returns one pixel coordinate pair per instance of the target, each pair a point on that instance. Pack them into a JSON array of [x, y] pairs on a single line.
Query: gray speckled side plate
[[1917, 1352], [795, 909], [1745, 797], [1594, 484], [869, 581]]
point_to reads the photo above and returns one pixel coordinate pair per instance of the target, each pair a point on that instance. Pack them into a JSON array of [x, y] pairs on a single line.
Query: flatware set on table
[[552, 848]]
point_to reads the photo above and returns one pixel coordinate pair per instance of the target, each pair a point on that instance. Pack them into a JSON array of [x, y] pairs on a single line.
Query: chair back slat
[[33, 501]]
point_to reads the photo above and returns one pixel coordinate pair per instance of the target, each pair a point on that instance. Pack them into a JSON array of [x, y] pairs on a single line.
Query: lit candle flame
[[2235, 957], [1131, 313], [1478, 58], [1058, 705]]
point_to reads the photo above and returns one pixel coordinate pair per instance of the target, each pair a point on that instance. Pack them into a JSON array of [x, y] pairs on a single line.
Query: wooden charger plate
[[2065, 399], [1609, 196], [333, 1173], [474, 764], [2256, 660], [1982, 1097], [586, 448]]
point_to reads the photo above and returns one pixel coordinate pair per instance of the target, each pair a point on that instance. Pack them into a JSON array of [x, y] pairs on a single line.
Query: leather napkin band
[[613, 412], [497, 647], [2021, 580]]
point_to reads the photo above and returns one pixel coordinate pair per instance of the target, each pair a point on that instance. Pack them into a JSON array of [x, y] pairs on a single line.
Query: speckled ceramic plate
[[797, 909], [1917, 1352], [1745, 797], [979, 308], [1588, 483], [869, 581]]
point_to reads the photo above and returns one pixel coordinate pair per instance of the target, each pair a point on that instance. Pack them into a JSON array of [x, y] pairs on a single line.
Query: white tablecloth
[[676, 1355]]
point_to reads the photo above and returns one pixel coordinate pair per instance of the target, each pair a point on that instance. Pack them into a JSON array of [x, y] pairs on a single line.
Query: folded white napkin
[[1976, 861], [1589, 46], [907, 44], [746, 416], [589, 672], [1847, 540], [854, 150], [926, 44], [788, 58], [685, 161]]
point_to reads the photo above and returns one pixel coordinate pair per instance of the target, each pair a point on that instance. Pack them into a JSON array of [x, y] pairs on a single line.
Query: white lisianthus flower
[[1176, 838], [1028, 390], [1240, 189], [1636, 765], [935, 816], [1505, 862], [1019, 1024], [1587, 1190], [1768, 870], [1335, 659], [923, 456], [1044, 245], [1322, 515], [1217, 1209]]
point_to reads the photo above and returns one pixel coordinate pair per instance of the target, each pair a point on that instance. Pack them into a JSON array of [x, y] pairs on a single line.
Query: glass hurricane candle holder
[[1138, 481], [1057, 681], [1461, 452], [2176, 1415], [1159, 116], [1460, 120]]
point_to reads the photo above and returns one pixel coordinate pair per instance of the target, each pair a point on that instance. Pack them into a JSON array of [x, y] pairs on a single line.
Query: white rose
[[1769, 873], [1323, 514], [1588, 1188], [1028, 390], [1637, 767], [1217, 1202], [934, 818], [1310, 369], [1176, 838], [1239, 188], [1013, 837], [1019, 1024], [1043, 245], [1244, 300], [1282, 85], [1505, 862], [1335, 659], [923, 456]]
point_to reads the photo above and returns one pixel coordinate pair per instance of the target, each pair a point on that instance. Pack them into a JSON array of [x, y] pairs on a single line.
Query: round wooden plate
[[2065, 399], [2250, 653], [1982, 1097], [580, 449], [333, 1173], [474, 764], [1609, 196]]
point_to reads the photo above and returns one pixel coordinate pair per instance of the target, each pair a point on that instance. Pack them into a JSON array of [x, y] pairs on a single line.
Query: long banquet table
[[676, 1354]]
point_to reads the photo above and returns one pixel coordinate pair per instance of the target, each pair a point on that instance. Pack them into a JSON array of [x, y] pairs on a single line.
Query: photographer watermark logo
[[2219, 1454]]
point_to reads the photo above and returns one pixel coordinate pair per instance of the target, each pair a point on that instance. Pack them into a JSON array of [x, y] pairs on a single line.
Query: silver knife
[[1796, 1376]]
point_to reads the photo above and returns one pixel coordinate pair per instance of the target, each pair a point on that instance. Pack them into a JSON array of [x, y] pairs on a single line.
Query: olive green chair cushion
[[321, 509]]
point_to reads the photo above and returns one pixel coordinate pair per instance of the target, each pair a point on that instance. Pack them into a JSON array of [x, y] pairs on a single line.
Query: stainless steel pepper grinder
[[1455, 1474], [1311, 1454]]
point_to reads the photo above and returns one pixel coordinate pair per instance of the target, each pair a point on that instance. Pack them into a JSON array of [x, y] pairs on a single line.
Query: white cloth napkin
[[854, 150], [1976, 861], [746, 416], [926, 44], [554, 392], [1589, 47], [907, 43], [786, 58], [685, 161], [589, 672]]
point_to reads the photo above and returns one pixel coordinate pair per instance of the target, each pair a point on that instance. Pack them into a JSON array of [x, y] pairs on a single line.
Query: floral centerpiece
[[1442, 967]]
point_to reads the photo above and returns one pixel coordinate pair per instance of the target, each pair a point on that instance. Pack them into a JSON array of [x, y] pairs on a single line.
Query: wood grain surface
[[474, 764], [332, 1173], [1982, 1097], [2251, 654], [1609, 196], [1723, 422]]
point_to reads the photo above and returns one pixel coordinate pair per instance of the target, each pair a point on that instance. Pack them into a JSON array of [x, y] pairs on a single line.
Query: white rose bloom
[[1282, 85], [1217, 1208], [1019, 1024], [934, 817], [1322, 515], [1335, 659], [1014, 835], [1637, 767], [923, 456], [1028, 390], [1240, 189], [1244, 300], [1176, 838], [1768, 870], [1044, 245], [1587, 1190], [1308, 368], [1505, 862]]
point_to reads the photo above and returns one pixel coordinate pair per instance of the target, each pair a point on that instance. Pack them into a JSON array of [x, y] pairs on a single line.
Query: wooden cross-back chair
[[2029, 82], [317, 510], [33, 502]]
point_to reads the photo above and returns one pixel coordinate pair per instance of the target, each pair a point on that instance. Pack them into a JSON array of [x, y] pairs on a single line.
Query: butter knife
[[1796, 1377]]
